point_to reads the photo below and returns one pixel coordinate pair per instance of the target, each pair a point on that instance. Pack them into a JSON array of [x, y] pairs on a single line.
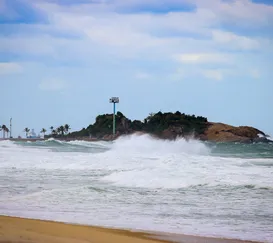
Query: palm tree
[[4, 129], [61, 129], [7, 131], [53, 132], [58, 131], [43, 131], [66, 128], [26, 130]]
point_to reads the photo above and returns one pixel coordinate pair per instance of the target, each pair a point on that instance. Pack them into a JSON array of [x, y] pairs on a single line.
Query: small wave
[[53, 141], [78, 143], [258, 162], [138, 179], [7, 144], [88, 144], [66, 146], [157, 180], [257, 187]]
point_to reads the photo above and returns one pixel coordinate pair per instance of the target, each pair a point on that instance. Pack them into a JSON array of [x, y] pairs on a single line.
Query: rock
[[124, 126], [171, 126], [172, 132], [220, 132], [261, 140]]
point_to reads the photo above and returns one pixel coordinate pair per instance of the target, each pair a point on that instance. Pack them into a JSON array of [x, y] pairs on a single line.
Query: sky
[[61, 60]]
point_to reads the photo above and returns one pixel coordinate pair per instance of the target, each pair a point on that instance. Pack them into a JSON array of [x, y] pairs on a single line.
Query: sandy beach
[[19, 230]]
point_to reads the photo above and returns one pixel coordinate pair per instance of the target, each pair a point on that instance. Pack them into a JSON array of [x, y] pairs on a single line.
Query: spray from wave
[[146, 144], [141, 182], [7, 144], [142, 161]]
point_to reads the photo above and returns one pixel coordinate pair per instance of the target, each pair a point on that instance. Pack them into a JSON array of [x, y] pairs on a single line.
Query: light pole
[[114, 100], [10, 128]]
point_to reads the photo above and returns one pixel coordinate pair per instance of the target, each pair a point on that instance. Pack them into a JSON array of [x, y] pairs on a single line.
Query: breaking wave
[[182, 186]]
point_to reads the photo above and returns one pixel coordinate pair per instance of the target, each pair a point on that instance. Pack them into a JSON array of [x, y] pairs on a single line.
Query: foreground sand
[[18, 230]]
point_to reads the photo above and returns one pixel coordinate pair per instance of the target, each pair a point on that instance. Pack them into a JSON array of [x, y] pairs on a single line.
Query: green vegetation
[[4, 130], [26, 130], [60, 131], [155, 123], [166, 125], [43, 131]]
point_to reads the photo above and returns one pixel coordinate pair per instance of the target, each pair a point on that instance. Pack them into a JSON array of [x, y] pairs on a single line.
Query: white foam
[[142, 161], [270, 138], [147, 144], [75, 186], [7, 144], [89, 143]]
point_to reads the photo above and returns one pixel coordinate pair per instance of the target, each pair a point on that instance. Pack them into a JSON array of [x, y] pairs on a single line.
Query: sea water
[[138, 182]]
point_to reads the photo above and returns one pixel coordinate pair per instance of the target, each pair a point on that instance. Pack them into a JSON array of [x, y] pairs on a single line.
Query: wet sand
[[19, 230]]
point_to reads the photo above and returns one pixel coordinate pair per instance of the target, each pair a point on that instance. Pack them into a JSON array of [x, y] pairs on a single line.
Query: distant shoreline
[[216, 133], [46, 139]]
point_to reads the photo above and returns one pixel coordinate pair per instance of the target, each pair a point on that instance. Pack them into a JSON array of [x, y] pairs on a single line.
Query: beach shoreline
[[47, 139], [24, 230]]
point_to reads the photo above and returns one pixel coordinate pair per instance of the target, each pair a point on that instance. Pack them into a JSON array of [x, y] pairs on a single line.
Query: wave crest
[[147, 144]]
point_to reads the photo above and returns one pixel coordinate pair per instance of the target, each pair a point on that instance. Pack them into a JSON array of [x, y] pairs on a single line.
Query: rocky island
[[168, 126]]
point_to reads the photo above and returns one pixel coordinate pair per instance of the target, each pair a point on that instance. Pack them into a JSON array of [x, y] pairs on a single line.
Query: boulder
[[220, 132]]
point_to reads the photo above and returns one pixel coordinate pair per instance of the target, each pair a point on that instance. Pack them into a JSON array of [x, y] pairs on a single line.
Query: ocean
[[138, 182]]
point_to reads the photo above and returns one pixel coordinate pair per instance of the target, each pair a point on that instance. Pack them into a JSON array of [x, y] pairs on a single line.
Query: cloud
[[100, 31], [213, 74], [9, 68], [143, 75], [235, 41], [53, 85], [196, 58], [199, 73], [178, 75], [244, 13], [2, 5], [5, 11]]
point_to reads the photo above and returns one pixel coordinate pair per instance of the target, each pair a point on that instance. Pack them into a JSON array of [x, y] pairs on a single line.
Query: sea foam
[[141, 182]]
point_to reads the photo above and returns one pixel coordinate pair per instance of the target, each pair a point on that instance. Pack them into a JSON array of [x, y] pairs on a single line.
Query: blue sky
[[61, 61]]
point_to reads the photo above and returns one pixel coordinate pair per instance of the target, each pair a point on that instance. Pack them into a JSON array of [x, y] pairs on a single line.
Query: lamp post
[[114, 100], [10, 130]]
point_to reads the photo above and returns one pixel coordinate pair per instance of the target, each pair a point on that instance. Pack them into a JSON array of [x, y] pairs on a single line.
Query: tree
[[54, 132], [4, 129], [26, 130], [66, 128], [61, 130], [119, 114], [155, 123], [7, 131], [148, 118], [43, 131]]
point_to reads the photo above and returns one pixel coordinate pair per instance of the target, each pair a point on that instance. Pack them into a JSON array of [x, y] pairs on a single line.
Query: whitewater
[[138, 182]]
